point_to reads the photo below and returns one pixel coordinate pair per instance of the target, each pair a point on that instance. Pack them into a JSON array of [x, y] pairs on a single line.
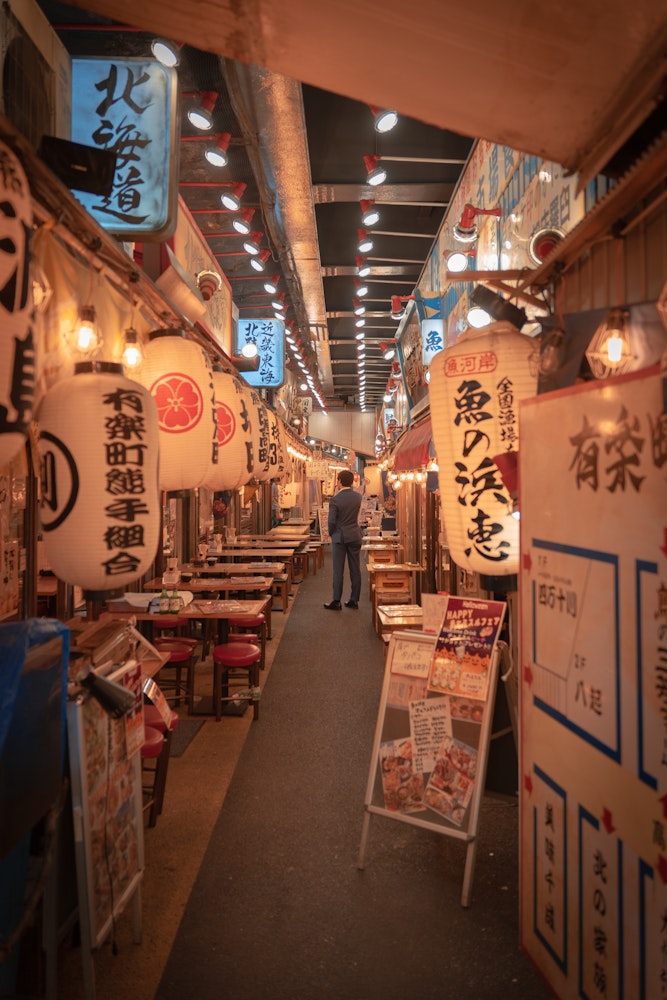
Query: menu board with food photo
[[107, 799], [428, 765], [464, 647]]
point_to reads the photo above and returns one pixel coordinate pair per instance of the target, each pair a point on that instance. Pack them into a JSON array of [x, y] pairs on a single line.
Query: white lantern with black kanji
[[178, 375], [231, 470], [100, 504], [259, 435], [17, 352], [475, 390]]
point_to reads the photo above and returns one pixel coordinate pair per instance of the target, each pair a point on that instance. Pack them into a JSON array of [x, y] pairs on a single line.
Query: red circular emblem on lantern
[[179, 402], [226, 424]]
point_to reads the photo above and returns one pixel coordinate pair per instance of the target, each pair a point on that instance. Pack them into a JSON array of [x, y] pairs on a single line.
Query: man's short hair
[[346, 478]]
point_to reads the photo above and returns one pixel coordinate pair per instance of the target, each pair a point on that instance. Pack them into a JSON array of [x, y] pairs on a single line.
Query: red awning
[[412, 451]]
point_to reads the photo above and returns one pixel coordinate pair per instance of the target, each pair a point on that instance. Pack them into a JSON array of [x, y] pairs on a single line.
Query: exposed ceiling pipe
[[269, 109]]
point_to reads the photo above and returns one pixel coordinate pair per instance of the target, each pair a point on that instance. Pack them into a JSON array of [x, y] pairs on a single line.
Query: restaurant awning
[[413, 451]]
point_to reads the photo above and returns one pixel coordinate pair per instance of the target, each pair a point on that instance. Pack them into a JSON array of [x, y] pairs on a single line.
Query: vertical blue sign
[[269, 336]]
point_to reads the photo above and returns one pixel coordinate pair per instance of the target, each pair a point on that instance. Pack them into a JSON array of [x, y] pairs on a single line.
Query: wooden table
[[392, 574], [260, 552], [398, 617], [232, 569], [228, 585]]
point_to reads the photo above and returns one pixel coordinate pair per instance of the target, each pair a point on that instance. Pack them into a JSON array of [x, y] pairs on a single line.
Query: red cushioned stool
[[169, 623], [156, 749], [230, 657], [250, 623], [182, 656]]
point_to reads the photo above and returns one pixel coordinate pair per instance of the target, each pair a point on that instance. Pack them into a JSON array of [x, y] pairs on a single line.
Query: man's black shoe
[[351, 604], [334, 606]]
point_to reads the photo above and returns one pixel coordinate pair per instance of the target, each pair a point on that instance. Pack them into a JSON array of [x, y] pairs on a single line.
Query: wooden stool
[[280, 589], [253, 624], [233, 656], [182, 656]]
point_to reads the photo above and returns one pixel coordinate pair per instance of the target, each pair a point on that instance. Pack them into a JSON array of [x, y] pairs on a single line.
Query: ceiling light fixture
[[271, 284], [242, 220], [388, 348], [231, 198], [360, 336], [457, 260], [279, 301], [369, 213], [251, 245], [465, 230], [384, 118], [497, 307], [363, 268], [202, 116], [208, 283], [359, 307], [167, 53], [360, 322], [375, 174], [249, 349], [259, 262], [217, 155], [365, 242], [397, 307], [362, 287], [542, 242]]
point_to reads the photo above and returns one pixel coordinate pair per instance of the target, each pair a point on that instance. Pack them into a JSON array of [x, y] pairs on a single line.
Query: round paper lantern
[[100, 505], [277, 463], [17, 352], [178, 375], [475, 390], [234, 439], [259, 457]]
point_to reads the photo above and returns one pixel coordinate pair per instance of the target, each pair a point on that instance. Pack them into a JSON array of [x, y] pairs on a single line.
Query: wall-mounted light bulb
[[132, 355], [86, 336]]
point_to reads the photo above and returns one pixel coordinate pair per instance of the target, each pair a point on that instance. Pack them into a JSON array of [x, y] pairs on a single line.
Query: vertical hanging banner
[[230, 470], [594, 688], [269, 337], [129, 107], [17, 352]]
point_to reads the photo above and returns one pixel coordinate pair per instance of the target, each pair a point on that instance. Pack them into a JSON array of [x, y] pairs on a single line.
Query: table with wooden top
[[224, 585], [392, 573], [399, 617], [221, 613], [231, 569]]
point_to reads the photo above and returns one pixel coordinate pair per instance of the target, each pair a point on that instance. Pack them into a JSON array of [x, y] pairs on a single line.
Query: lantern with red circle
[[17, 352], [231, 469], [475, 390], [178, 375], [100, 503]]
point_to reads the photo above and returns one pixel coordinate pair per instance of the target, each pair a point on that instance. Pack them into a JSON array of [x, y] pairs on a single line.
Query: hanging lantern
[[475, 390], [100, 505], [17, 352], [287, 466], [178, 375], [233, 419], [259, 467]]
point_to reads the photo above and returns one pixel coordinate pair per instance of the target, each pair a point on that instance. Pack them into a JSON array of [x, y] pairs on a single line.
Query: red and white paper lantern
[[475, 390], [259, 450], [231, 470], [100, 505], [17, 352], [178, 375]]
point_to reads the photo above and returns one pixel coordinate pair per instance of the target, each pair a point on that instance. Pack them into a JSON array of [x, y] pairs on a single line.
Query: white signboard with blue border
[[269, 336], [129, 107], [594, 688]]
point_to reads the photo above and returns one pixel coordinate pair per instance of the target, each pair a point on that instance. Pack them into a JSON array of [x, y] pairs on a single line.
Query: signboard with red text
[[593, 589]]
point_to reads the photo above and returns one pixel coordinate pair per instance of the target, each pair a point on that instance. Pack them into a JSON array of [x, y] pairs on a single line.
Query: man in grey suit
[[345, 540]]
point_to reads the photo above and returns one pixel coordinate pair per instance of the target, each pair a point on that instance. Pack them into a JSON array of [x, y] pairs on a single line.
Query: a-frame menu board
[[434, 724]]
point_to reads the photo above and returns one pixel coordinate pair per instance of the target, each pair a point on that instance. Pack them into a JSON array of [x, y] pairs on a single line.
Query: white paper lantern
[[231, 470], [100, 505], [17, 352], [259, 451], [277, 455], [178, 375], [475, 390]]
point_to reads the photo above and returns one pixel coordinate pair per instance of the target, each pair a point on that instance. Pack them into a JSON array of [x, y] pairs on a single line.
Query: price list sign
[[593, 660]]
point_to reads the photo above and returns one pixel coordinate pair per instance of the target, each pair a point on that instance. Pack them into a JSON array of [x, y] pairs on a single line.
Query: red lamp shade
[[100, 505], [475, 390], [17, 353], [231, 469], [178, 376]]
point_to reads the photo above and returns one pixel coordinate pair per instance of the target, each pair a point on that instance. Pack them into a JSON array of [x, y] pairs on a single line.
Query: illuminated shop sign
[[129, 107], [269, 336]]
